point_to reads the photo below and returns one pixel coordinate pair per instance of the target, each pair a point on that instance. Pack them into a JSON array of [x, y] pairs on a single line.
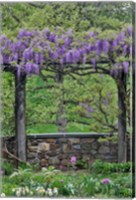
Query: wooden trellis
[[35, 51]]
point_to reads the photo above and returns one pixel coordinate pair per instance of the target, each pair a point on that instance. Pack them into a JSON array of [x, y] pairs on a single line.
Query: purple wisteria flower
[[93, 61], [105, 102], [32, 49], [105, 181], [73, 160], [89, 109], [125, 66]]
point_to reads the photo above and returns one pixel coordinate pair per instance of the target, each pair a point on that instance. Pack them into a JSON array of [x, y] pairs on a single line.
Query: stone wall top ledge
[[69, 135]]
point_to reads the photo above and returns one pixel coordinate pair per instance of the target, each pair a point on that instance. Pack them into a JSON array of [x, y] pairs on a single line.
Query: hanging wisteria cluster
[[32, 51]]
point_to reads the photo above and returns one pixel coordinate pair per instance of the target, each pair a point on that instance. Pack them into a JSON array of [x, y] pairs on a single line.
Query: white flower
[[55, 191], [3, 195], [49, 192], [18, 194], [23, 191], [40, 190], [27, 189]]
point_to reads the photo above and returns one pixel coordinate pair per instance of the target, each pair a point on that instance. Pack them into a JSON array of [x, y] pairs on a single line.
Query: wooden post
[[133, 103], [20, 116], [122, 146]]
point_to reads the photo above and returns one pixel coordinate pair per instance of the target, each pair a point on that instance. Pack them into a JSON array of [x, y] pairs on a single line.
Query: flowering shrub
[[73, 160], [38, 191], [106, 186], [22, 191], [105, 181], [105, 167], [2, 195]]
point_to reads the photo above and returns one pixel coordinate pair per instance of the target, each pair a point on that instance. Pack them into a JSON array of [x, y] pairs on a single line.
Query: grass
[[51, 128]]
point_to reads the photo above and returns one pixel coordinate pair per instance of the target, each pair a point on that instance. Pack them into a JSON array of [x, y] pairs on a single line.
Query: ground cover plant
[[29, 181]]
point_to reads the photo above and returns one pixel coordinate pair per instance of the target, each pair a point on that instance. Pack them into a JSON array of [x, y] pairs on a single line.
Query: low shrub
[[7, 167], [104, 167]]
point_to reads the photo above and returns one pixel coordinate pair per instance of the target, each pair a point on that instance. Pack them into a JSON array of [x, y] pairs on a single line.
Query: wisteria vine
[[32, 51]]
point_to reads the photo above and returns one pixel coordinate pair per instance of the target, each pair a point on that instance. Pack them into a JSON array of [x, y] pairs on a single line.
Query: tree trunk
[[122, 146], [20, 116], [61, 115]]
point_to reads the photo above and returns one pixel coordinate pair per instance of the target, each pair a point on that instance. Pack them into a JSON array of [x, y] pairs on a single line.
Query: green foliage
[[113, 138], [21, 174], [78, 16], [49, 173], [8, 103], [48, 182], [7, 167], [90, 186], [125, 192], [82, 164], [44, 102], [104, 167]]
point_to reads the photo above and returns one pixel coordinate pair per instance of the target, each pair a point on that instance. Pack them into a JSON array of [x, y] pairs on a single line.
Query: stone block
[[65, 162], [64, 148], [44, 163], [105, 143], [31, 155], [32, 148], [77, 146], [41, 155], [85, 148], [54, 146], [51, 140], [32, 161], [52, 153], [87, 140], [104, 149], [93, 152], [62, 156], [67, 148], [74, 140], [54, 161], [86, 157], [34, 142], [36, 161], [62, 140], [43, 147], [95, 145]]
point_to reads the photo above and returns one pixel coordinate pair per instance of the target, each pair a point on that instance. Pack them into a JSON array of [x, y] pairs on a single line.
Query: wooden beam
[[20, 123]]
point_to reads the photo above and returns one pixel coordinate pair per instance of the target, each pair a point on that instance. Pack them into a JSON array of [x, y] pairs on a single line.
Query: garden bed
[[30, 181]]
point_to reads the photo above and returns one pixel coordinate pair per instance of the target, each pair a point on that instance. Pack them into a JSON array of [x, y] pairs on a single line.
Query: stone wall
[[57, 149]]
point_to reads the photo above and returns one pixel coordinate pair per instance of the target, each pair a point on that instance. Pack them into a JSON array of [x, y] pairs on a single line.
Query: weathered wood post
[[20, 123], [122, 146]]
